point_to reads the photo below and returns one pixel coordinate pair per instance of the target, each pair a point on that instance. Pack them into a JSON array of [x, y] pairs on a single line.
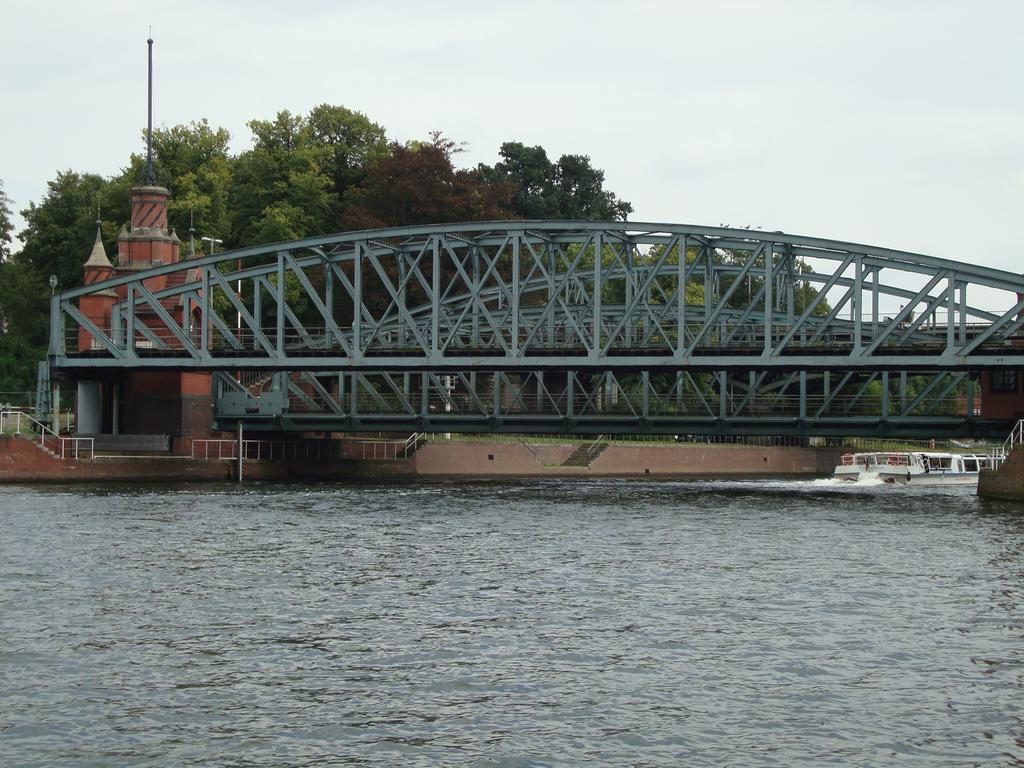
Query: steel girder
[[523, 297], [879, 403]]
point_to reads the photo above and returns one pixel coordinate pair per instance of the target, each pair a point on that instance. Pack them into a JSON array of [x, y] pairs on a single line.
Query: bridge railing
[[317, 339], [213, 449]]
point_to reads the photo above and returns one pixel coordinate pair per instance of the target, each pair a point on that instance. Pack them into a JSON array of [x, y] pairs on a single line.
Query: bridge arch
[[634, 316]]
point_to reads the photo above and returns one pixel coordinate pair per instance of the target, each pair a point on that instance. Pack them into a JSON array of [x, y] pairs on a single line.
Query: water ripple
[[516, 624]]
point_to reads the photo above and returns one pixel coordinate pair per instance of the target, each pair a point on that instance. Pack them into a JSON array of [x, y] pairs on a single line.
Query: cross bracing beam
[[527, 296], [922, 404]]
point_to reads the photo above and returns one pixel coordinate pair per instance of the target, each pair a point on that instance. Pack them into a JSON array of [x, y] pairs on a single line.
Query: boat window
[[970, 464]]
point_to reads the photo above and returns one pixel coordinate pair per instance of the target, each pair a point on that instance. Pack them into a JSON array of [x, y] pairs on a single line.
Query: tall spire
[[150, 178], [98, 258]]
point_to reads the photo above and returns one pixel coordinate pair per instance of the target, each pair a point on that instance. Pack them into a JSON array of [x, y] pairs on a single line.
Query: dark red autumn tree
[[418, 184]]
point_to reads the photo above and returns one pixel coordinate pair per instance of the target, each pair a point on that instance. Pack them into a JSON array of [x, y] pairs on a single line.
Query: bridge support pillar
[[89, 416]]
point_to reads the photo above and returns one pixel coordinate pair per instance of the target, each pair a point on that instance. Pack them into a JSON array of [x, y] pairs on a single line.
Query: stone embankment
[[1007, 482], [25, 462]]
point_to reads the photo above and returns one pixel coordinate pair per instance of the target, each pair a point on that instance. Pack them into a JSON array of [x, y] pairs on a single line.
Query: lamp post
[[214, 242]]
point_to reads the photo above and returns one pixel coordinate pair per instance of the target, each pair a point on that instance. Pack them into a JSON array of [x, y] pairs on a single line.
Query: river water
[[723, 623]]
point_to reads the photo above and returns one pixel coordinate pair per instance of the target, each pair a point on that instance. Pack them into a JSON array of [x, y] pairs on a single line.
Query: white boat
[[861, 466], [933, 468]]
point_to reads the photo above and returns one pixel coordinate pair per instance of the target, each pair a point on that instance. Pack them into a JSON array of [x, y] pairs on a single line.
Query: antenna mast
[[150, 178]]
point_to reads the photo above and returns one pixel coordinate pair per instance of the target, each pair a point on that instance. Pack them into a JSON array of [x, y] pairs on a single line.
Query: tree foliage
[[6, 225], [329, 170], [60, 230], [568, 189], [417, 183]]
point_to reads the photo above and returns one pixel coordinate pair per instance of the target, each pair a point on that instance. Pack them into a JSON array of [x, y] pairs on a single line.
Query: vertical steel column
[[130, 306], [341, 390], [950, 312], [117, 325], [596, 333], [769, 270], [257, 311], [58, 335], [552, 264], [645, 402], [204, 313], [474, 293], [517, 236], [357, 307], [803, 394], [328, 301], [963, 313], [280, 304], [722, 394], [55, 407], [903, 392], [496, 405], [790, 300], [681, 301], [435, 300], [874, 298], [885, 394], [630, 290], [857, 300], [709, 284], [570, 377], [424, 395]]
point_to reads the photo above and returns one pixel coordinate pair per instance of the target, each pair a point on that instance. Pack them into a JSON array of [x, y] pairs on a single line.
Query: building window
[[1004, 381]]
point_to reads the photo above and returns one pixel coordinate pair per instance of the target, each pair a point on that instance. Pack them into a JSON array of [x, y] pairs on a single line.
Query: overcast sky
[[898, 124]]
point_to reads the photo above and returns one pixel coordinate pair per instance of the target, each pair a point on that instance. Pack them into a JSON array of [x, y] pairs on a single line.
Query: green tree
[[6, 225], [283, 174], [24, 303], [59, 231], [349, 141], [569, 189], [193, 162]]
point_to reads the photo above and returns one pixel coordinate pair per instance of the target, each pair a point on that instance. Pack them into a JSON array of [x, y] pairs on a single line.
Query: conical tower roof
[[98, 257]]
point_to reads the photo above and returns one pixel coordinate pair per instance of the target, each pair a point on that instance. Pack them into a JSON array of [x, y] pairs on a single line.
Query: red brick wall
[[1001, 405]]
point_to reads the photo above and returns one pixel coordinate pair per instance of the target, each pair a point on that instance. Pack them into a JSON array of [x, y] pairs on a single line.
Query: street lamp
[[214, 242], [53, 284]]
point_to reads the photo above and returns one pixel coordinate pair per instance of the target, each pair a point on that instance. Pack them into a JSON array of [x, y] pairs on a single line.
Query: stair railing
[[522, 441], [64, 447], [414, 442], [1015, 438], [598, 441]]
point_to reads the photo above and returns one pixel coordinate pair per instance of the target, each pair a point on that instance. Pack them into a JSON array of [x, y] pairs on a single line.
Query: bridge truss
[[565, 327]]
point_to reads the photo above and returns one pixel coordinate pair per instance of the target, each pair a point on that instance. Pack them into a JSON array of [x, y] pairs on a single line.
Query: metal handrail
[[220, 449], [1016, 437], [413, 442], [45, 433]]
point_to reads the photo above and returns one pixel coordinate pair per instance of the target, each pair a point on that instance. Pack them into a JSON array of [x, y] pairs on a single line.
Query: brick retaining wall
[[23, 461], [1007, 482]]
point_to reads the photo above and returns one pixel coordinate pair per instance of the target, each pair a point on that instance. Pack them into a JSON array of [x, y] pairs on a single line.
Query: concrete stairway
[[585, 454]]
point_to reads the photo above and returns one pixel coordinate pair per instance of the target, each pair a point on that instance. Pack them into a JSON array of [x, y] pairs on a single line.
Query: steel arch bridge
[[564, 327]]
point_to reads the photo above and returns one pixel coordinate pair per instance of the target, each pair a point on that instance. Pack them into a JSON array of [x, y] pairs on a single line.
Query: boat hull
[[929, 478]]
